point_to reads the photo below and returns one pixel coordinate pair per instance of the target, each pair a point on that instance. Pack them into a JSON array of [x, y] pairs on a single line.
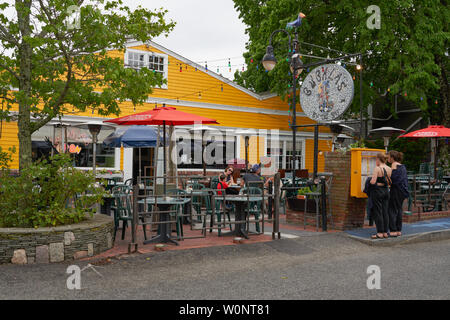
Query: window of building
[[275, 150], [220, 151], [142, 59], [289, 157], [75, 141], [283, 152]]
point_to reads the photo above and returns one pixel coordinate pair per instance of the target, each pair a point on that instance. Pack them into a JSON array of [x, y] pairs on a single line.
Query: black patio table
[[240, 202], [163, 204]]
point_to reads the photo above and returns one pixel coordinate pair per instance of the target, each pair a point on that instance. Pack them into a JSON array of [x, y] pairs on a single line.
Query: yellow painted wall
[[255, 149], [9, 139], [324, 145], [187, 84]]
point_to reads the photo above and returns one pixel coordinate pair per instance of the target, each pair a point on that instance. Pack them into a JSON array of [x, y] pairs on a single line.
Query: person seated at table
[[229, 175], [255, 176], [222, 184]]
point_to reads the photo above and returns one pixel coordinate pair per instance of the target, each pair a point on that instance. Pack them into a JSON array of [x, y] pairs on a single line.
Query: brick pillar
[[348, 212]]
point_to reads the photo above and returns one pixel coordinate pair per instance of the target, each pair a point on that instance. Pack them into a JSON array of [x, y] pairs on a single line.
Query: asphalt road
[[320, 266]]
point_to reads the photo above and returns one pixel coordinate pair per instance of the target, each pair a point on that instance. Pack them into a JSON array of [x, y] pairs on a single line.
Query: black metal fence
[[189, 200]]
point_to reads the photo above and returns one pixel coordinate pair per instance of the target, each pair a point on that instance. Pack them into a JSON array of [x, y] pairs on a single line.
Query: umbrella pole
[[203, 153], [164, 152], [435, 157], [94, 150], [140, 169]]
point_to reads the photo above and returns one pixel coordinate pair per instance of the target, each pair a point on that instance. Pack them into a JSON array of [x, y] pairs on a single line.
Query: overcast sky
[[205, 30]]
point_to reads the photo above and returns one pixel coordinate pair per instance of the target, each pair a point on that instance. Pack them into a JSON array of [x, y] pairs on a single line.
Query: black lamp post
[[269, 61]]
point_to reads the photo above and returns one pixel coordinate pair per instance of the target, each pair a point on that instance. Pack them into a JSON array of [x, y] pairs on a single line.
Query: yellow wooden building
[[192, 88]]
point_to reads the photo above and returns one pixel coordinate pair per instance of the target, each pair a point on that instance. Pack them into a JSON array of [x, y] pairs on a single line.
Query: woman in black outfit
[[380, 196], [399, 192]]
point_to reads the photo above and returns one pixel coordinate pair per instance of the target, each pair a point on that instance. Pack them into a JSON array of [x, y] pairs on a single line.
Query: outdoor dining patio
[[191, 210]]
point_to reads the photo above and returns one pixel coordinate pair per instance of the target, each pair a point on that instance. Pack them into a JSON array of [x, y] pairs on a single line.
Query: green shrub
[[415, 150], [48, 193], [306, 190], [6, 157]]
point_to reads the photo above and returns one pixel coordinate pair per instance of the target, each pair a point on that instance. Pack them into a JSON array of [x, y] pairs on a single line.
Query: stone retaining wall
[[44, 245]]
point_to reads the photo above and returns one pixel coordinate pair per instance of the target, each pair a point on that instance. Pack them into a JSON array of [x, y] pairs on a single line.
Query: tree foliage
[[409, 53], [51, 65]]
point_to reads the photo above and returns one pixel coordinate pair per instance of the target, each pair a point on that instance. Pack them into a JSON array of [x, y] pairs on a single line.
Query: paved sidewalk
[[429, 230], [288, 231]]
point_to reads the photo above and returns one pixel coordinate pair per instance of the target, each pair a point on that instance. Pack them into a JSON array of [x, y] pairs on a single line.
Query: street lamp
[[269, 62]]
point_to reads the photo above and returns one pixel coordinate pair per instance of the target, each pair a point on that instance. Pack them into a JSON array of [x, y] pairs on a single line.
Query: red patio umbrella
[[430, 132], [162, 116]]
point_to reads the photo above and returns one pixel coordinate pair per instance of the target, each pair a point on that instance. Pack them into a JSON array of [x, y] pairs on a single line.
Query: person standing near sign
[[381, 179], [399, 192]]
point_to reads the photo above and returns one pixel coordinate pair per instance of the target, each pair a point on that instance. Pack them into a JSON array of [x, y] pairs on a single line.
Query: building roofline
[[260, 97]]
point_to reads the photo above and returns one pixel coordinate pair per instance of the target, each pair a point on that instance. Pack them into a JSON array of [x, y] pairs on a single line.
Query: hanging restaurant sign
[[326, 92]]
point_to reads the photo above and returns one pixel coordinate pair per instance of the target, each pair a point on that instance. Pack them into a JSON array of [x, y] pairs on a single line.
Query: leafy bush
[[6, 157], [415, 151], [48, 193], [306, 190]]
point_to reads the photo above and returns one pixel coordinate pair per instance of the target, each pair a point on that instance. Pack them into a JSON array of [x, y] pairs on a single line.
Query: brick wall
[[425, 216], [348, 212], [44, 245]]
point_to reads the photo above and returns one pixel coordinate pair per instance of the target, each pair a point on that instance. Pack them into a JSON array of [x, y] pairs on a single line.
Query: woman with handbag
[[381, 180]]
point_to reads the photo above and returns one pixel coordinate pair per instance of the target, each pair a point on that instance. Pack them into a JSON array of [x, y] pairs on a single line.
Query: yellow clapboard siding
[[186, 86], [9, 139], [255, 149], [324, 145]]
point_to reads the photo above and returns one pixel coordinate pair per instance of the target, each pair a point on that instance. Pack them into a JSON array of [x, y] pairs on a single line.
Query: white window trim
[[151, 53], [116, 163]]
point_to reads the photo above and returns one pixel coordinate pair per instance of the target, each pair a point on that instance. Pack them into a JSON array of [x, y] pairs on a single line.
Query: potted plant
[[297, 203]]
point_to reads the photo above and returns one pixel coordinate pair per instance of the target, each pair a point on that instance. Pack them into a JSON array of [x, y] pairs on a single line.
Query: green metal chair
[[214, 182], [179, 208], [254, 207], [283, 201], [197, 201], [219, 208], [122, 209], [424, 168]]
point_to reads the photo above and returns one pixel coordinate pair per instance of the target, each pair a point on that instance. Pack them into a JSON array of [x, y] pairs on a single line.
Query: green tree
[[409, 53], [54, 59]]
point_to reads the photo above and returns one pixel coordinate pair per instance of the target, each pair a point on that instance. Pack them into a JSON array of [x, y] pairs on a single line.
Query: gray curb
[[405, 239]]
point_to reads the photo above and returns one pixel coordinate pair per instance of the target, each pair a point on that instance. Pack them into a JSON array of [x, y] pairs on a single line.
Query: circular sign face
[[326, 92]]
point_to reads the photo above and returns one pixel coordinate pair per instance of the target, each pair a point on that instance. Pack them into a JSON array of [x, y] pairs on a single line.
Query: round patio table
[[163, 204], [240, 202]]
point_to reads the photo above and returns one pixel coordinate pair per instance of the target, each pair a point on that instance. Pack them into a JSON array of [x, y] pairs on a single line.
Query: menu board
[[363, 163], [368, 164]]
